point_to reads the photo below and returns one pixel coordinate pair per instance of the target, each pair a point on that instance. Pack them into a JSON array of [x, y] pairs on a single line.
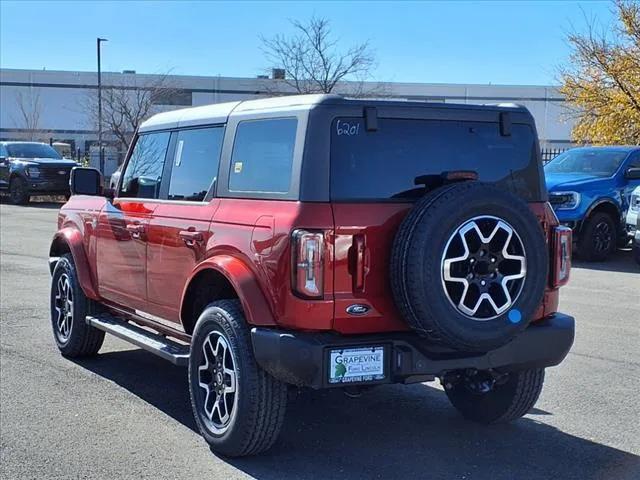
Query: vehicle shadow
[[621, 261], [390, 432], [50, 202]]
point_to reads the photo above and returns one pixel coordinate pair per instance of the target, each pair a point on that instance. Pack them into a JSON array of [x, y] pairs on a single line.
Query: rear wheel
[[18, 191], [487, 397], [597, 238], [69, 308], [238, 407]]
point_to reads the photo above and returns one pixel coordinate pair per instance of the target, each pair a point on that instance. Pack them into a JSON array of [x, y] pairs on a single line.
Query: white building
[[56, 101]]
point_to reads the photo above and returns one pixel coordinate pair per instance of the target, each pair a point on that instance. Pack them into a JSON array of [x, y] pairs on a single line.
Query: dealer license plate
[[351, 365]]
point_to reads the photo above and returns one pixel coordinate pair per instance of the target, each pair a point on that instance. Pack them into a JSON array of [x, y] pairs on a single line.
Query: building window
[[172, 96]]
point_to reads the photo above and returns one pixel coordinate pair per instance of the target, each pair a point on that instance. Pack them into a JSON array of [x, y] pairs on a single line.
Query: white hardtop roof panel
[[207, 114], [219, 112]]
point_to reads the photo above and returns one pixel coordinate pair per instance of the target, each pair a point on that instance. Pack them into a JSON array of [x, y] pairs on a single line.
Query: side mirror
[[85, 181], [632, 173], [3, 160]]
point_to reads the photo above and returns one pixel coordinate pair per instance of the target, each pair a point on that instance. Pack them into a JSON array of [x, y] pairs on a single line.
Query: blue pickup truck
[[589, 189]]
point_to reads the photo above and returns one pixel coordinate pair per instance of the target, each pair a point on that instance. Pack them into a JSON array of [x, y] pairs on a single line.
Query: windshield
[[31, 150], [599, 163]]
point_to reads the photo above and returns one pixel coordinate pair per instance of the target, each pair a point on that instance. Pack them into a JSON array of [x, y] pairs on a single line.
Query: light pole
[[100, 149]]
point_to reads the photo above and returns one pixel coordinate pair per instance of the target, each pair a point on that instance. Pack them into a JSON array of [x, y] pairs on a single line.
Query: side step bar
[[163, 347]]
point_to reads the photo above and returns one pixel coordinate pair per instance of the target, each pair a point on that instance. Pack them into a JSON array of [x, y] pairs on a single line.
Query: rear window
[[384, 164]]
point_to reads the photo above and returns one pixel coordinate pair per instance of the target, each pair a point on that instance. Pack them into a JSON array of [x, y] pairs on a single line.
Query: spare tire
[[469, 266]]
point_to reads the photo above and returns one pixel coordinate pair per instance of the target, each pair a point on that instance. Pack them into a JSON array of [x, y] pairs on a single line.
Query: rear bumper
[[301, 358]]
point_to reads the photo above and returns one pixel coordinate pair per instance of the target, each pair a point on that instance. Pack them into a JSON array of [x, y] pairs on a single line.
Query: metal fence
[[549, 154]]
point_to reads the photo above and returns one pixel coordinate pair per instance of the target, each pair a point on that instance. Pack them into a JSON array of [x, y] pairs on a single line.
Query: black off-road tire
[[590, 244], [505, 402], [261, 399], [79, 339], [18, 191], [416, 266]]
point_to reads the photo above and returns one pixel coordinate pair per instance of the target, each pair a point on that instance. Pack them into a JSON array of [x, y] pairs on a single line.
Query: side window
[[263, 156], [634, 161], [143, 173], [195, 163], [3, 151]]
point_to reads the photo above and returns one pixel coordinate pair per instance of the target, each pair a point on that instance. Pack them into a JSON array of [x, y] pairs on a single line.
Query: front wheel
[[239, 408], [487, 397], [69, 308], [18, 191]]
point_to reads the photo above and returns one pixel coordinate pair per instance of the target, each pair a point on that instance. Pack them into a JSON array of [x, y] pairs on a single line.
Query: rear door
[[373, 185], [123, 224], [179, 227]]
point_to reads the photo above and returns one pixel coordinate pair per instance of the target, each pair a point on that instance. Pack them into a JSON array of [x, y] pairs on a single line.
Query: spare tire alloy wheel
[[484, 267], [217, 380], [63, 308], [469, 266]]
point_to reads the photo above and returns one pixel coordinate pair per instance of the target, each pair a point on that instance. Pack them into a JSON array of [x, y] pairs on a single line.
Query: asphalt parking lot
[[126, 413]]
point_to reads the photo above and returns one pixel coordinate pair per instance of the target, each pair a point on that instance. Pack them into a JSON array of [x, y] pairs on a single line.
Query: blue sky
[[448, 42]]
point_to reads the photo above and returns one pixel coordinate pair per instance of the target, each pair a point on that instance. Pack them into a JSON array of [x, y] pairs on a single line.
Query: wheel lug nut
[[483, 283]]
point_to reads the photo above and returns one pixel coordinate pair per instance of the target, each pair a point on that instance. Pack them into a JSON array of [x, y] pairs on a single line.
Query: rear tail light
[[308, 271], [562, 240]]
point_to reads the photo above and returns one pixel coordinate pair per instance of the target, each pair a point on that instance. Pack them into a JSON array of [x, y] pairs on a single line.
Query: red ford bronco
[[321, 242]]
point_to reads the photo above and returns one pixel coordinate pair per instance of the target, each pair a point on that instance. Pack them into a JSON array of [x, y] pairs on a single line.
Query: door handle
[[135, 229], [191, 237]]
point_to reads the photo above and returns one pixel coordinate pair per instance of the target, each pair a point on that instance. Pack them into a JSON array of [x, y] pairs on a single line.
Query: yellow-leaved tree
[[602, 82]]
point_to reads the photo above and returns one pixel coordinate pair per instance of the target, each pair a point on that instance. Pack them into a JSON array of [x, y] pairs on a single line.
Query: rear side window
[[384, 164], [195, 163], [263, 156], [143, 174]]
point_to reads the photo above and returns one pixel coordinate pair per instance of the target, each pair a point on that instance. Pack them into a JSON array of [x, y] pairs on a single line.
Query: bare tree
[[313, 62], [29, 112], [128, 102]]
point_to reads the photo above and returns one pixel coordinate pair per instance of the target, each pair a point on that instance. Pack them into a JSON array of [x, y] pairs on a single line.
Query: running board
[[152, 342]]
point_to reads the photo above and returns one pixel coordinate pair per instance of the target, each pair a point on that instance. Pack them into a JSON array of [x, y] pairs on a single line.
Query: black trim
[[300, 358]]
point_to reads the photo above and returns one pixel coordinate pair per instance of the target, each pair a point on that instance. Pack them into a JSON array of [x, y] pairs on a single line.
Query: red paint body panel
[[141, 256], [172, 256], [258, 233], [122, 252], [364, 277]]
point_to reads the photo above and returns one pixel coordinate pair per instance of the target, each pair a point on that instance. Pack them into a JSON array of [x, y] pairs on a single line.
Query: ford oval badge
[[358, 309]]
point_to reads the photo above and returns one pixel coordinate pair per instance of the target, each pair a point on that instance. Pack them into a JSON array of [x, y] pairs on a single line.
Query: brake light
[[562, 240], [308, 271]]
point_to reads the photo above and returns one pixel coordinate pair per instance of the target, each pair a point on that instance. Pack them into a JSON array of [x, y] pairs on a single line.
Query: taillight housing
[[562, 240], [307, 264]]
